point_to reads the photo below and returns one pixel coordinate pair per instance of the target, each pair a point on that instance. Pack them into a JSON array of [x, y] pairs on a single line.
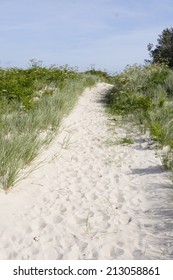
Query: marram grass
[[144, 94], [24, 132]]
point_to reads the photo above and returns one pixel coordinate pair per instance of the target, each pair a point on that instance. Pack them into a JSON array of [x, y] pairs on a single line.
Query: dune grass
[[27, 125], [144, 95]]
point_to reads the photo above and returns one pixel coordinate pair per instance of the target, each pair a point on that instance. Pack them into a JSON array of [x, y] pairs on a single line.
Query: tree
[[163, 52]]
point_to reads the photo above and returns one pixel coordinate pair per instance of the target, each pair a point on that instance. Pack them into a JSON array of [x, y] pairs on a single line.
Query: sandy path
[[89, 199]]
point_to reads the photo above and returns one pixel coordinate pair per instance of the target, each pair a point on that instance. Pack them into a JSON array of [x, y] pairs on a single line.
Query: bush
[[145, 93], [104, 76], [32, 103]]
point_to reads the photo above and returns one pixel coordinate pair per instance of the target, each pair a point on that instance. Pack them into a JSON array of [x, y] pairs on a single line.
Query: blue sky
[[106, 33]]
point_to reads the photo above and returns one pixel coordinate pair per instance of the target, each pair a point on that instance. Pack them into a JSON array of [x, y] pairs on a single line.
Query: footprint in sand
[[116, 252], [57, 219]]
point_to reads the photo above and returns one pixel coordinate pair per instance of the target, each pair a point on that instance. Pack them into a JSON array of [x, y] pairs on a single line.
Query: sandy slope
[[88, 199]]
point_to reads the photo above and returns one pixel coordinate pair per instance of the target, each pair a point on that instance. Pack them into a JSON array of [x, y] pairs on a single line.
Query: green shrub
[[145, 93], [169, 84], [104, 76], [29, 118]]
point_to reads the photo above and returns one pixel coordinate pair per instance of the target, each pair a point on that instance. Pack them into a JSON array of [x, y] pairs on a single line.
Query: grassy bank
[[32, 104], [144, 94]]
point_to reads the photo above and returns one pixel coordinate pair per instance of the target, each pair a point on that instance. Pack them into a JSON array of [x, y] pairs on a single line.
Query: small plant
[[66, 142], [126, 140], [87, 225], [167, 160], [157, 131], [111, 142]]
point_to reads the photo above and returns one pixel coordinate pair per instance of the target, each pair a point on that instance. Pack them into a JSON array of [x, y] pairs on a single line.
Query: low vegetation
[[33, 101], [32, 104], [144, 94]]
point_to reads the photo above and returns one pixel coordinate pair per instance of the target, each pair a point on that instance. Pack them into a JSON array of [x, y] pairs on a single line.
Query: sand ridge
[[88, 199]]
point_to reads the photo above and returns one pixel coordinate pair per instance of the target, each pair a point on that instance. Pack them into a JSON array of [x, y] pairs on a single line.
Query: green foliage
[[124, 103], [15, 86], [169, 83], [104, 76], [21, 86], [157, 131], [32, 104], [163, 51], [145, 95], [126, 140]]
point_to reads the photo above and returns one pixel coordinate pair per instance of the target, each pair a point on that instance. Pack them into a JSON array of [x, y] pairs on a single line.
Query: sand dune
[[88, 198]]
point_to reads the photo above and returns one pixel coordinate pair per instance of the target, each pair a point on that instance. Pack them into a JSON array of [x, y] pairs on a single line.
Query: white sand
[[88, 199]]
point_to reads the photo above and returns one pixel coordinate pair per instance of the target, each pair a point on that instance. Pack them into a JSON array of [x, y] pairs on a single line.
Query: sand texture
[[88, 196]]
